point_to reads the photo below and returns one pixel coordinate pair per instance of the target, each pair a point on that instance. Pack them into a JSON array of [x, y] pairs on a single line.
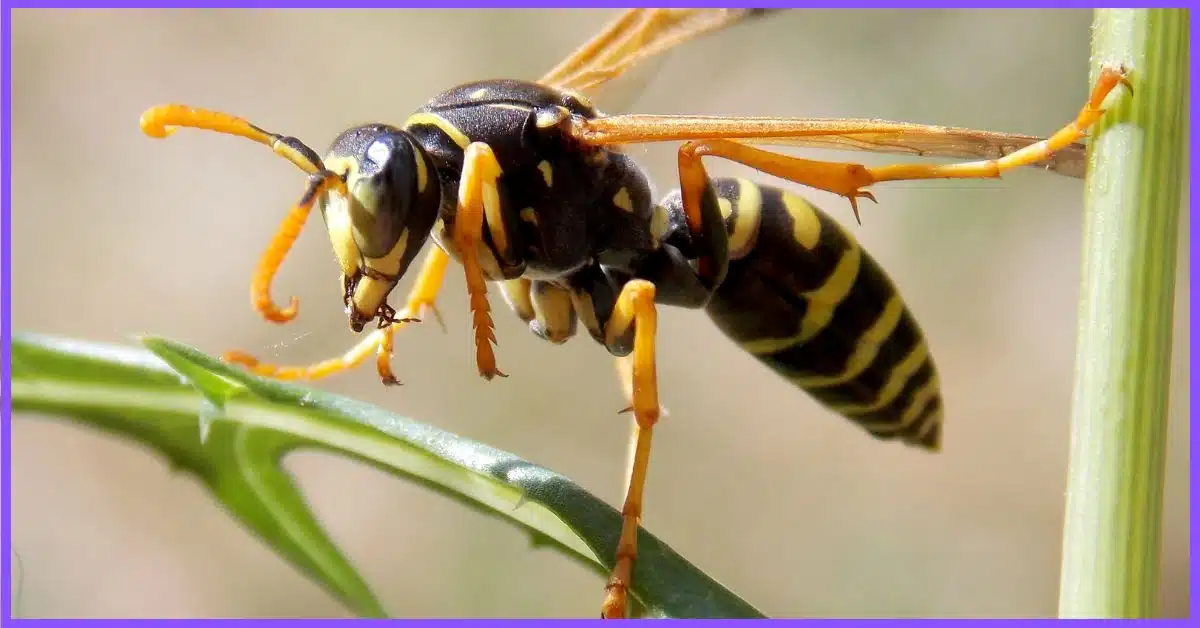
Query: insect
[[525, 185]]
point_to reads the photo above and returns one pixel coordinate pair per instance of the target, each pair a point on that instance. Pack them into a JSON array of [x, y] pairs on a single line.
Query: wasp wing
[[635, 36], [867, 135]]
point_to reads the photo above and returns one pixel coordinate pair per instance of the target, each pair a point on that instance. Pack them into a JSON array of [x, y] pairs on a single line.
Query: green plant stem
[[1112, 537]]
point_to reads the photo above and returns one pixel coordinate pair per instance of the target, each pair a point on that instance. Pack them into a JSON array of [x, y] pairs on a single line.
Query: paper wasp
[[524, 184]]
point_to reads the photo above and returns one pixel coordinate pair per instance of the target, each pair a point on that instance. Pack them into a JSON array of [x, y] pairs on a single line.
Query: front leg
[[421, 300], [478, 196]]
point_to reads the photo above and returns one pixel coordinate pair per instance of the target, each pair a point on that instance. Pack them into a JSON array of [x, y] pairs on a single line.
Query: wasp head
[[380, 224]]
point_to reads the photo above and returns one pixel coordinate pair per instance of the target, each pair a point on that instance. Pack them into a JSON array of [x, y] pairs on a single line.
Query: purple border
[[6, 221], [5, 302], [594, 4]]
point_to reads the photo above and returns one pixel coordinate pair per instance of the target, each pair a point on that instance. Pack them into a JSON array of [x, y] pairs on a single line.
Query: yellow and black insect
[[524, 184]]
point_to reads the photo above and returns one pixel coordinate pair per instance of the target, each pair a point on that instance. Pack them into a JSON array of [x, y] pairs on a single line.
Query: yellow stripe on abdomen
[[809, 302]]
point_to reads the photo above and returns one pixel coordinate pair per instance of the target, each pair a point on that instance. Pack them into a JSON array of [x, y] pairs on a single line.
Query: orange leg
[[624, 366], [851, 179], [477, 191], [421, 299], [635, 306]]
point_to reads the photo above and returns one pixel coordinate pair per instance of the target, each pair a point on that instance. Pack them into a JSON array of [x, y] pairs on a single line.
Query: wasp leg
[[422, 298], [634, 309], [349, 360], [1109, 78], [475, 194], [851, 179]]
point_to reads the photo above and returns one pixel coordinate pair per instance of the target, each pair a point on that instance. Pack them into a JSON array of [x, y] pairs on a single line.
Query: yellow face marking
[[441, 124], [479, 93], [866, 349], [529, 216], [744, 231], [547, 173], [390, 264], [371, 292], [821, 303], [341, 234], [422, 173], [621, 199], [899, 376], [337, 219], [806, 227]]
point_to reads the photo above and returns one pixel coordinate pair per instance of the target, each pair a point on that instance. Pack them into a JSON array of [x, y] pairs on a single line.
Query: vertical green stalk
[[1112, 538]]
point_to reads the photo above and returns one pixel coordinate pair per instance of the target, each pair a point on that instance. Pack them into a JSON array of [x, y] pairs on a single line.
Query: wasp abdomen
[[807, 300]]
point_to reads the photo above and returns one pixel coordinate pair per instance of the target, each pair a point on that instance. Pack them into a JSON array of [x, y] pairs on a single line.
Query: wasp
[[525, 185]]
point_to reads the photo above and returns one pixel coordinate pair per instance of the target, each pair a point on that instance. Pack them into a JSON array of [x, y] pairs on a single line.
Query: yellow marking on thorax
[[341, 234], [744, 231], [529, 216], [441, 124], [806, 227], [621, 199], [897, 379], [509, 106], [547, 172], [821, 301], [479, 93], [547, 118], [864, 351]]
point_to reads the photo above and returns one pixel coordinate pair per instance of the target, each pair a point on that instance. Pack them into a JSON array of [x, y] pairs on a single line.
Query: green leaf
[[163, 398], [1112, 538]]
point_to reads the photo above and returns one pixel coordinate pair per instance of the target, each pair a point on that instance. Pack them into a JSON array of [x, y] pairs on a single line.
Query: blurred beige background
[[791, 507]]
